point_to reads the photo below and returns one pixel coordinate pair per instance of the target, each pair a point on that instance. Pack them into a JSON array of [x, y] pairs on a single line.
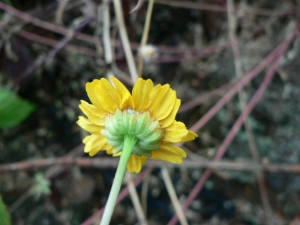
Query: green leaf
[[13, 110], [4, 215]]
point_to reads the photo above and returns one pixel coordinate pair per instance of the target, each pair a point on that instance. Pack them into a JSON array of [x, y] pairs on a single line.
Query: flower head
[[148, 115]]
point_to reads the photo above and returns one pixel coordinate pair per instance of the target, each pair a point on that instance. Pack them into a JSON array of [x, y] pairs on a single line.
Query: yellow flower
[[148, 113]]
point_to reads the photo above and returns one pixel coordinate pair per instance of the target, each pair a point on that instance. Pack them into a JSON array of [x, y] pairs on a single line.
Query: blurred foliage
[[4, 215], [13, 110], [8, 2], [42, 186]]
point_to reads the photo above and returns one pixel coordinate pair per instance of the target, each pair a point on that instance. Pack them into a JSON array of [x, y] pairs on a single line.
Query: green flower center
[[138, 125]]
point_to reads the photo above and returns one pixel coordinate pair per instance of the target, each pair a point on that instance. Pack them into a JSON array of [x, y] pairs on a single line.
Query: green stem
[[129, 143]]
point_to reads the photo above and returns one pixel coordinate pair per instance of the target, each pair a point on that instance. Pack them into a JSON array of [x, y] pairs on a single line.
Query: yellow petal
[[93, 152], [126, 101], [88, 126], [93, 94], [164, 106], [175, 132], [135, 163], [189, 137], [157, 95], [108, 95], [124, 93], [117, 154], [86, 139], [171, 117], [140, 93], [169, 153], [94, 144], [94, 114], [109, 149]]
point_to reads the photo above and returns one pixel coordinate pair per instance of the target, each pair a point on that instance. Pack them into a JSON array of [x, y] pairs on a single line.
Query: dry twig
[[60, 45], [232, 23], [135, 199], [237, 125], [125, 40]]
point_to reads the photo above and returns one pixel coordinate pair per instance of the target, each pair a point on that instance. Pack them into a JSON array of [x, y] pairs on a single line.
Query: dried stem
[[60, 45], [21, 199], [138, 6], [243, 102], [125, 40], [51, 42], [240, 84], [145, 187], [217, 8], [60, 11], [106, 33], [145, 35], [173, 196], [191, 53], [206, 97], [135, 199], [234, 130], [101, 163], [46, 25]]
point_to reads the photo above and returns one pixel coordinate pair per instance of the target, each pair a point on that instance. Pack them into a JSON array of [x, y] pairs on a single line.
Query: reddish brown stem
[[234, 130]]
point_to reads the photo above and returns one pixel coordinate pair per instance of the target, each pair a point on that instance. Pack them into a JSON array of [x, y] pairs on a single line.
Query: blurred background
[[235, 66]]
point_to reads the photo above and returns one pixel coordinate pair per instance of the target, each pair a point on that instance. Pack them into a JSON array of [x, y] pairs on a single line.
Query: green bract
[[138, 125]]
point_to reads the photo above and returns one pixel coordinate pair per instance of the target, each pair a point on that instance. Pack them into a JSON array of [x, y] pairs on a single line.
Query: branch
[[107, 162]]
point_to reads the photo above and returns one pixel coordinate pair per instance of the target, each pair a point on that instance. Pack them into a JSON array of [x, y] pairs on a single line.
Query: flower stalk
[[129, 143]]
